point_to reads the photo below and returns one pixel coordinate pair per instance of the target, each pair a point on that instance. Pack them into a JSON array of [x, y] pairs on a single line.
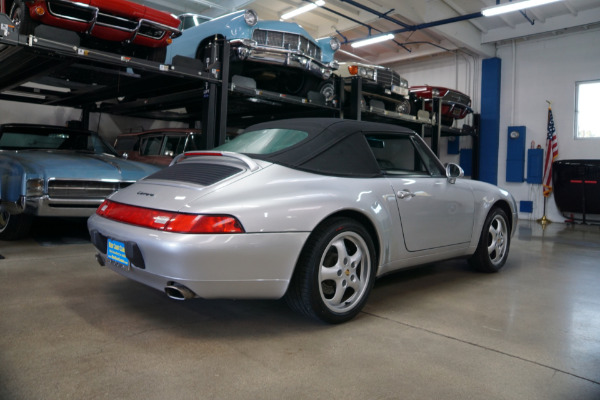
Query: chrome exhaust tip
[[176, 291]]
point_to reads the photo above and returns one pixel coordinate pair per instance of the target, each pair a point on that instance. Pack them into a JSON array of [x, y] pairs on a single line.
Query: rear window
[[264, 141]]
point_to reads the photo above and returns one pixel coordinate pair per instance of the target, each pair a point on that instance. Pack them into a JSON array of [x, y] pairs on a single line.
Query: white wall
[[533, 71]]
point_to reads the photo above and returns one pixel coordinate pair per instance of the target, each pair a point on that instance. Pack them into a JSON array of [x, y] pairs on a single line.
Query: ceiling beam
[[558, 23]]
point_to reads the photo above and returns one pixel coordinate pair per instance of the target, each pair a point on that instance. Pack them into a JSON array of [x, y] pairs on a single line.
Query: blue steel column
[[489, 139]]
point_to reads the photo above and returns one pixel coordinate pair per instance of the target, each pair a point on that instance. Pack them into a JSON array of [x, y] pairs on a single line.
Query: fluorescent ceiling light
[[371, 40], [514, 6], [301, 10]]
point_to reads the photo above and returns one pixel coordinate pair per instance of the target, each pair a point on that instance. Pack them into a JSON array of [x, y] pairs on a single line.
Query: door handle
[[405, 194]]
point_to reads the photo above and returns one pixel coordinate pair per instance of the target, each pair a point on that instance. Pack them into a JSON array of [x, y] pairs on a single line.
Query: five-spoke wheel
[[492, 250], [335, 272]]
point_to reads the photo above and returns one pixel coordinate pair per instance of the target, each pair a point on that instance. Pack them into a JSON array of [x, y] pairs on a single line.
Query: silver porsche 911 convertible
[[312, 210]]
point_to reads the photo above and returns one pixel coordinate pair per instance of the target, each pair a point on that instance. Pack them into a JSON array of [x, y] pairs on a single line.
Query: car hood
[[74, 165], [132, 9]]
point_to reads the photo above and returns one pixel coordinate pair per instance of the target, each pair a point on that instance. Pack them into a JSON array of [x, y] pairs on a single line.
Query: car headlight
[[334, 43], [366, 72], [404, 83], [34, 187], [251, 17], [435, 92]]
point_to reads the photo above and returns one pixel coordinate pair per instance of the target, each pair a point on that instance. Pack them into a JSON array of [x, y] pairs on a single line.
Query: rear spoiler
[[250, 163]]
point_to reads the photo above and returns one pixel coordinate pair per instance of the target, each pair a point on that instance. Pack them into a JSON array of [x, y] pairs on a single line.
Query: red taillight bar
[[169, 221]]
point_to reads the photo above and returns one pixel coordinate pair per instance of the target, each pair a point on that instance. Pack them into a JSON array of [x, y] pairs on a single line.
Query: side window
[[398, 155], [430, 161], [194, 142], [173, 145], [126, 143], [151, 145]]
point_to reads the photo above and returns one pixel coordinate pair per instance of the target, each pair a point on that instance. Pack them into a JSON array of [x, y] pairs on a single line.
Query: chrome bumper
[[95, 13], [250, 50], [46, 207]]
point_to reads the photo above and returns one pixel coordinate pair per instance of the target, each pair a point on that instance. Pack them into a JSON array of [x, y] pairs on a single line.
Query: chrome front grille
[[71, 11], [90, 15], [287, 41], [116, 22], [82, 189], [457, 97], [388, 77]]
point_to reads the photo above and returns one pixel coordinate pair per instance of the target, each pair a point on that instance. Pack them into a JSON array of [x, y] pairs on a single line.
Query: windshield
[[44, 139], [264, 141]]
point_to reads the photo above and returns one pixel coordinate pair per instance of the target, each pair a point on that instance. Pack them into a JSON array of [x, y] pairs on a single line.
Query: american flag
[[551, 154]]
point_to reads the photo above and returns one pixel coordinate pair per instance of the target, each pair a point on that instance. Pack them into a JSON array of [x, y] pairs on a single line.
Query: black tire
[[494, 243], [335, 272], [403, 107], [158, 54], [447, 121], [14, 226], [19, 14], [327, 89]]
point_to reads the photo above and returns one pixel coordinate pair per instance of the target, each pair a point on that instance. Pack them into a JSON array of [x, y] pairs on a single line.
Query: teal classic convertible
[[54, 171], [279, 56]]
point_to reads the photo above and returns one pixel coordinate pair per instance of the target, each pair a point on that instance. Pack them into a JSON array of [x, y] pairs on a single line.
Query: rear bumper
[[248, 266]]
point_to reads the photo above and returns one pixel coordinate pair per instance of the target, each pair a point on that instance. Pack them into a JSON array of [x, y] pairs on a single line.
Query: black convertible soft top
[[333, 146]]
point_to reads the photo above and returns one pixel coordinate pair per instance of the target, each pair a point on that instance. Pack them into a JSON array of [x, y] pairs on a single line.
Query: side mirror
[[454, 171]]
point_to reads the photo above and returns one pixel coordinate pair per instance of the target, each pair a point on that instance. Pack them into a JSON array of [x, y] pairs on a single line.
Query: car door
[[434, 212]]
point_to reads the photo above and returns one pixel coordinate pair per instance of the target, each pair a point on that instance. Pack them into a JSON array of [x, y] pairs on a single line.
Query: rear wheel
[[494, 243], [14, 226], [19, 14], [335, 272]]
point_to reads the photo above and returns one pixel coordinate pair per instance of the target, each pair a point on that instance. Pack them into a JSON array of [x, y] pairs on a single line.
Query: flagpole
[[544, 220]]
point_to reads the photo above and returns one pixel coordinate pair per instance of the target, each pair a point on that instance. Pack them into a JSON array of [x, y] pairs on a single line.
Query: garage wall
[[533, 71]]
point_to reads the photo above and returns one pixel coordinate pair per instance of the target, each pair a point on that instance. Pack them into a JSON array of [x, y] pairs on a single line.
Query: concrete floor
[[72, 330]]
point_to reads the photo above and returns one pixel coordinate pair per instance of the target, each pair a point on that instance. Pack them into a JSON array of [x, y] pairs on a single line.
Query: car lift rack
[[51, 68]]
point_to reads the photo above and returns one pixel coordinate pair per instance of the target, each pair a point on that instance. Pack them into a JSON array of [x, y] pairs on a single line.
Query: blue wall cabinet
[[515, 154]]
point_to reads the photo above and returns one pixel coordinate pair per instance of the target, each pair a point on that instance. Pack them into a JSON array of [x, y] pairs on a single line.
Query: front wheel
[[403, 107], [335, 272], [19, 14], [327, 89], [14, 226], [494, 243]]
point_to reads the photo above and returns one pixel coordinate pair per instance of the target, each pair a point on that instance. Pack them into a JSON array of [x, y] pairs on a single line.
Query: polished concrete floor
[[72, 330]]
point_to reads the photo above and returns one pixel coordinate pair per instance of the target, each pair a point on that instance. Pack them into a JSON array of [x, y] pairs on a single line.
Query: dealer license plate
[[116, 253]]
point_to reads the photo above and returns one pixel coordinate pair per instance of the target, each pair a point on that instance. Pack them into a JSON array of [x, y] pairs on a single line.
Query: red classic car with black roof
[[113, 25], [455, 105]]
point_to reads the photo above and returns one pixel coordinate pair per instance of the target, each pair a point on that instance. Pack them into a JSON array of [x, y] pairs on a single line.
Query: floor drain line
[[485, 348]]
